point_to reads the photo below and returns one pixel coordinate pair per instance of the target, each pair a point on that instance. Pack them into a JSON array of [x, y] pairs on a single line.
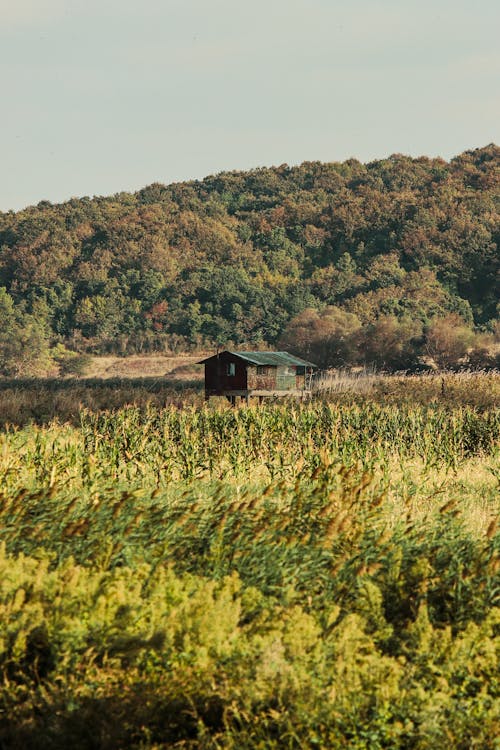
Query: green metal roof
[[272, 358], [269, 358]]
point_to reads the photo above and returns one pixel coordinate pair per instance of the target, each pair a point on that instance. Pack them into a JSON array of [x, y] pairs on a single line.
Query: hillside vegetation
[[383, 261]]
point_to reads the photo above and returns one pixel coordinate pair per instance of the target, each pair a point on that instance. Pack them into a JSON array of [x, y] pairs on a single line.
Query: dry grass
[[332, 382], [472, 486], [40, 401], [182, 366], [473, 388]]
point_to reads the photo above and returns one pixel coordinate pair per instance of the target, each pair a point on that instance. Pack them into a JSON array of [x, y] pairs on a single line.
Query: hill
[[341, 252]]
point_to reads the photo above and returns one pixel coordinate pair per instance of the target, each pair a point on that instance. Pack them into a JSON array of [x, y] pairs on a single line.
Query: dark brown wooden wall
[[217, 379]]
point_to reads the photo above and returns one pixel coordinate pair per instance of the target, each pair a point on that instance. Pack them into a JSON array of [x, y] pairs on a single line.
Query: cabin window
[[290, 370], [263, 370], [231, 368]]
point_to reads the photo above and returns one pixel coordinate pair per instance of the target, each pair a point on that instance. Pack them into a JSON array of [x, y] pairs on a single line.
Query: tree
[[447, 340], [328, 337], [389, 343], [400, 237], [385, 270], [335, 282], [24, 346]]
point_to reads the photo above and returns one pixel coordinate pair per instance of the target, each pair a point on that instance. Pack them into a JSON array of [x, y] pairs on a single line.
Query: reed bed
[[40, 401], [478, 388]]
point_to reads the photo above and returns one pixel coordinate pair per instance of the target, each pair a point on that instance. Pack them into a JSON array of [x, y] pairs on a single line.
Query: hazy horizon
[[101, 98]]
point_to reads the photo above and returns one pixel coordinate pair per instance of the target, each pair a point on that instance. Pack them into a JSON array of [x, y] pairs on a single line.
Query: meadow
[[324, 575]]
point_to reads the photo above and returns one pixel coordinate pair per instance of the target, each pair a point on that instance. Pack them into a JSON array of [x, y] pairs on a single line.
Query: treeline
[[335, 260]]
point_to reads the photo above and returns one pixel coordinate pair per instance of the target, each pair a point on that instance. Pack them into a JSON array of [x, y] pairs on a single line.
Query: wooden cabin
[[259, 374]]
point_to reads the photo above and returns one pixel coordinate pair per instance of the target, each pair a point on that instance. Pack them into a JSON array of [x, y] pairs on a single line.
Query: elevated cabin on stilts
[[257, 374]]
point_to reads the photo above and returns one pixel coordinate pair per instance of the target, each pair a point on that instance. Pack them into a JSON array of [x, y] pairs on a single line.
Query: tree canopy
[[387, 246]]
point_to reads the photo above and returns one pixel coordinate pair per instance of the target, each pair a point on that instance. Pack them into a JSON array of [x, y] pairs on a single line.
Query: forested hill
[[238, 256]]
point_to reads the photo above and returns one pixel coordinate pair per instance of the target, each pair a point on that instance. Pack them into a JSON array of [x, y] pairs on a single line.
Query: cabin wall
[[285, 378], [218, 379], [272, 378], [261, 378]]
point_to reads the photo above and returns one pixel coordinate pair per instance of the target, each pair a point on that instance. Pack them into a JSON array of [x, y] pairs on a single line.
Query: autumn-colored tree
[[389, 343], [326, 337], [447, 340]]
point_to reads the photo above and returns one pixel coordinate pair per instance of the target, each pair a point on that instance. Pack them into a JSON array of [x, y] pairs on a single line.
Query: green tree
[[24, 345], [399, 237]]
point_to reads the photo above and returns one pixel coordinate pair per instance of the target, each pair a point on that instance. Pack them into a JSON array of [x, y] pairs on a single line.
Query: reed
[[320, 575]]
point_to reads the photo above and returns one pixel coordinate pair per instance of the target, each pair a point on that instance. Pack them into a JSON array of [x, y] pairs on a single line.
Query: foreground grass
[[321, 576]]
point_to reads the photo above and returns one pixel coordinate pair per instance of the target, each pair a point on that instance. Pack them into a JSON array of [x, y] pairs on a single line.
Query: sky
[[104, 96]]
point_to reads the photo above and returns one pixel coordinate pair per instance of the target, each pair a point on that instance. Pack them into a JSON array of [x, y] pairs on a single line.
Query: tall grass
[[477, 388], [40, 401], [285, 576]]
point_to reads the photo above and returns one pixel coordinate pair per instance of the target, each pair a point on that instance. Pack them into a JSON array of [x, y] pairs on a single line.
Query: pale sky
[[100, 96]]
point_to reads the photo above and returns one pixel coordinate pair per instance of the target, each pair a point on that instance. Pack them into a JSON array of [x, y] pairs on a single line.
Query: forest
[[347, 263]]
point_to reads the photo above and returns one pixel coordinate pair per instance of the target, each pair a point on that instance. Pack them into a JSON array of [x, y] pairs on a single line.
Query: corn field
[[292, 576]]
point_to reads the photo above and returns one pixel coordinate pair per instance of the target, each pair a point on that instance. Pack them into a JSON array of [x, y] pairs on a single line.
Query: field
[[150, 365], [175, 574]]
